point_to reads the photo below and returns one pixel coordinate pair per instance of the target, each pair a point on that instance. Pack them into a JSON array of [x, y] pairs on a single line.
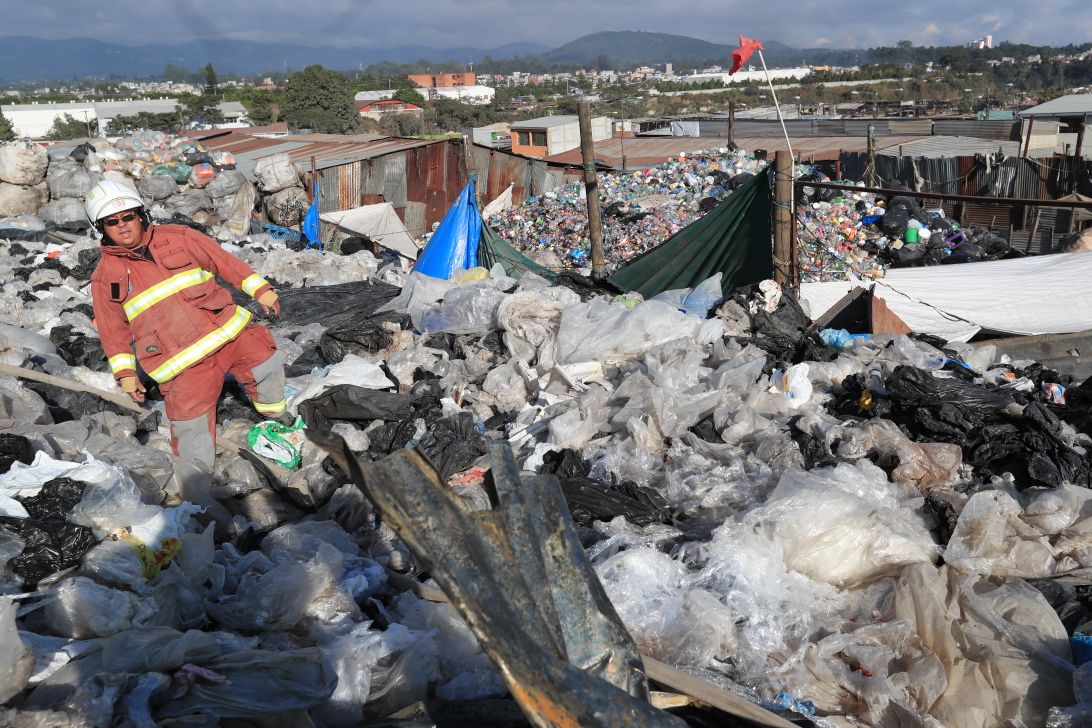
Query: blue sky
[[491, 23]]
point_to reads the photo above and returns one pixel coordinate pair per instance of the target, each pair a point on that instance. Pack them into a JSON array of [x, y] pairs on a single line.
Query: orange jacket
[[171, 306]]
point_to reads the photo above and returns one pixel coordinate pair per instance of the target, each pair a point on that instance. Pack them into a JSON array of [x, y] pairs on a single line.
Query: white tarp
[[1046, 294], [502, 203], [379, 222]]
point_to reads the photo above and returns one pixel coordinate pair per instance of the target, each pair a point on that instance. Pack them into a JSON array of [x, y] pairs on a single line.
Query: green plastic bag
[[283, 444]]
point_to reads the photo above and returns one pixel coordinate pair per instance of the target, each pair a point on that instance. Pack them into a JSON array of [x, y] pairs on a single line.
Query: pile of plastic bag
[[175, 177], [846, 235], [640, 209], [863, 530]]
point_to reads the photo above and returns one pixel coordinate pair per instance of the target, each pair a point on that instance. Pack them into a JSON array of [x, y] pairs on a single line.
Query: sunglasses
[[126, 218]]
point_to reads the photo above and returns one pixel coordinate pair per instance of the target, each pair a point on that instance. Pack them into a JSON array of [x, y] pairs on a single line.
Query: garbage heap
[[859, 234], [176, 177], [640, 209], [861, 530]]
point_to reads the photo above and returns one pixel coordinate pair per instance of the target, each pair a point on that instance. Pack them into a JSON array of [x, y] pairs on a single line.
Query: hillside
[[634, 46], [23, 58]]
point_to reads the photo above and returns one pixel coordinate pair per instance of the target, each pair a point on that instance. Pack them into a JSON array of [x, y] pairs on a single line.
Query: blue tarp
[[310, 224], [454, 245]]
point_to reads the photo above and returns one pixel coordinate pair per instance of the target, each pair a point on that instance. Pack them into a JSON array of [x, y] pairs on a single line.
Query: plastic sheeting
[[454, 245], [380, 223], [1019, 296], [733, 240]]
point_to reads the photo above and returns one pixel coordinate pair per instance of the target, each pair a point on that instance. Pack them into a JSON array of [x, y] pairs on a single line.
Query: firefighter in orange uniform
[[155, 287]]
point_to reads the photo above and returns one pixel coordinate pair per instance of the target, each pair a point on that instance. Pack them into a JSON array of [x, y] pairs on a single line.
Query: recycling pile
[[857, 234], [865, 530], [178, 179], [640, 209]]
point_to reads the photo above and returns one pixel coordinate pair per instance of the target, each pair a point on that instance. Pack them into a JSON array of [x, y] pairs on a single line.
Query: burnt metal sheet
[[519, 577]]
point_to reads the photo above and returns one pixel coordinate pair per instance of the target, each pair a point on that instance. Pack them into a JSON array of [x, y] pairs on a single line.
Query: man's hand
[[270, 303], [132, 387]]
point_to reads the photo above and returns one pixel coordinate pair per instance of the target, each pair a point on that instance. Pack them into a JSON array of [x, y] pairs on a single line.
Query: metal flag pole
[[777, 106]]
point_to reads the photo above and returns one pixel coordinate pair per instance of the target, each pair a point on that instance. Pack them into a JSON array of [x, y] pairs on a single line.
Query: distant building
[[443, 80], [232, 111], [34, 120], [776, 74], [378, 109], [982, 43], [386, 93], [496, 136], [475, 95], [551, 135]]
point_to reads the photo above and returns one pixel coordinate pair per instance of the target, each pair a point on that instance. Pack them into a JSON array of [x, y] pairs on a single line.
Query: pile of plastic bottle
[[835, 237], [640, 209]]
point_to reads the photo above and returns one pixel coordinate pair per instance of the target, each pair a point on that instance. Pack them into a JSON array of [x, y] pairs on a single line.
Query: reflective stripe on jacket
[[171, 307]]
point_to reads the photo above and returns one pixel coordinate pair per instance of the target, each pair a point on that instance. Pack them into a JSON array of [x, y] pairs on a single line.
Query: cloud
[[491, 23]]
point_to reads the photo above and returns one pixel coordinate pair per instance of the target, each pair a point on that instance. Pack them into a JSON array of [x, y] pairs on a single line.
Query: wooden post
[[731, 121], [314, 179], [783, 214], [1027, 137], [591, 187], [1080, 137]]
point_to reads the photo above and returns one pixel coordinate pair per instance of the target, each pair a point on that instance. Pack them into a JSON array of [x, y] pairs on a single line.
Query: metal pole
[[731, 121], [591, 188], [777, 106], [1027, 138], [783, 214]]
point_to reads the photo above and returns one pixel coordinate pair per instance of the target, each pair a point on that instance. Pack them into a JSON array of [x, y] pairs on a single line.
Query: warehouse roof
[[329, 150], [1061, 107]]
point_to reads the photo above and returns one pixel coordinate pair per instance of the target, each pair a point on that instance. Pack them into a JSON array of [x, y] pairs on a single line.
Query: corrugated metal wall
[[1006, 130], [420, 182], [496, 170], [1046, 178]]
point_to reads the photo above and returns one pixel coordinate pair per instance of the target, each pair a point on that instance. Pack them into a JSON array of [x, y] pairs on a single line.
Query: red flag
[[747, 47]]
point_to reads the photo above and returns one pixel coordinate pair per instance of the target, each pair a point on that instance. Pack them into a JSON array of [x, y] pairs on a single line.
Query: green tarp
[[495, 249], [735, 239]]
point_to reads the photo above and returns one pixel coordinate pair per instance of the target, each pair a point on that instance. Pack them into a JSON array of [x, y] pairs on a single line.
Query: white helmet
[[108, 197]]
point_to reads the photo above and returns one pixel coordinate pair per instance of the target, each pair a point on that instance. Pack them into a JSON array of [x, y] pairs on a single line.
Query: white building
[[374, 95], [475, 95], [749, 76], [549, 135], [34, 120], [982, 43]]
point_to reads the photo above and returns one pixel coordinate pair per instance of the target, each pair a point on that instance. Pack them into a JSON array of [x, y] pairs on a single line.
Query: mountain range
[[23, 58]]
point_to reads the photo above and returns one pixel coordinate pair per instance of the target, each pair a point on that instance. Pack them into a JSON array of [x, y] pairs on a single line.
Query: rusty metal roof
[[329, 150]]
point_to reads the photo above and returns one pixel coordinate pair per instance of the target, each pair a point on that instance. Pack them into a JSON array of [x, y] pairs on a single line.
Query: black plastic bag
[[55, 499], [349, 403], [365, 337], [51, 546], [65, 405], [566, 464], [14, 448], [77, 349], [452, 444], [589, 500], [335, 307]]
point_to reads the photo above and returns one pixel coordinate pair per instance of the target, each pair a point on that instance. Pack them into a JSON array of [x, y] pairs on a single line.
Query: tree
[[166, 121], [69, 127], [7, 130], [411, 96], [320, 99], [401, 124], [211, 81]]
